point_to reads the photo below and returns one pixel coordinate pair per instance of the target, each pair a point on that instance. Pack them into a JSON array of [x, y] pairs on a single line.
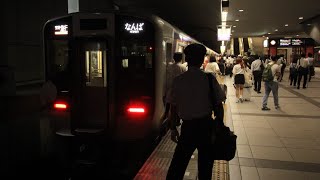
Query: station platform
[[281, 144]]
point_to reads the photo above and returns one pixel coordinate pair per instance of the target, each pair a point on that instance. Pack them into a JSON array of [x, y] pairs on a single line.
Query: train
[[107, 73]]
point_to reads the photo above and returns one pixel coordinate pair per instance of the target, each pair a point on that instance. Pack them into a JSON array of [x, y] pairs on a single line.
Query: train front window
[[136, 57], [58, 63]]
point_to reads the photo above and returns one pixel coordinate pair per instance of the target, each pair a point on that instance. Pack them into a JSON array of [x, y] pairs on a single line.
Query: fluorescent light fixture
[[224, 16], [234, 26], [269, 33], [308, 24], [297, 35], [241, 10], [237, 20], [286, 25], [276, 30], [301, 17]]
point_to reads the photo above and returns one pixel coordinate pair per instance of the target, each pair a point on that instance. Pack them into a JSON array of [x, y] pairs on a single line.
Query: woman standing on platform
[[238, 72]]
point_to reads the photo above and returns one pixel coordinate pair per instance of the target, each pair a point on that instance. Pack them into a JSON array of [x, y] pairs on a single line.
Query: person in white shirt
[[272, 85], [212, 66], [257, 73], [311, 66], [303, 66], [239, 80], [191, 99], [173, 70], [229, 66]]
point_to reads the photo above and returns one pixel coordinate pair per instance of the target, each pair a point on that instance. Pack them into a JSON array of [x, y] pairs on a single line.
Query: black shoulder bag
[[224, 142]]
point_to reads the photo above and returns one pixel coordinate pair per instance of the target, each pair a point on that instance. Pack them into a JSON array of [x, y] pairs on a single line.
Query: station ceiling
[[258, 18]]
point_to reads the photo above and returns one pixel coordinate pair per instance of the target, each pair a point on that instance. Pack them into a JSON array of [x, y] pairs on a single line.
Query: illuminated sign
[[134, 28], [296, 42], [224, 33], [265, 43], [61, 29], [285, 42], [273, 42]]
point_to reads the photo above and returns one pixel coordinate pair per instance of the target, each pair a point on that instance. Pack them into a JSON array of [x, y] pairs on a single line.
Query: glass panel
[[94, 68], [58, 63], [136, 56]]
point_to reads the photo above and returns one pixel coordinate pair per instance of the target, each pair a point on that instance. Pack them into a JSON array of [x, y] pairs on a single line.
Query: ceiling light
[[269, 33], [234, 26], [286, 25], [263, 36], [309, 24], [300, 17], [237, 20], [241, 10], [224, 16], [232, 31], [276, 30], [297, 35]]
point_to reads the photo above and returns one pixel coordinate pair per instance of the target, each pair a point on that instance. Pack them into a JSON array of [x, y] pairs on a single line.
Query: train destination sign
[[61, 29], [134, 28]]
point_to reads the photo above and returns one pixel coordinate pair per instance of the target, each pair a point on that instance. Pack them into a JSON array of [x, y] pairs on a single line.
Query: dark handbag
[[225, 144], [223, 140]]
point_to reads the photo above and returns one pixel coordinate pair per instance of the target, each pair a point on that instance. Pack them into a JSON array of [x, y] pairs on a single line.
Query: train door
[[90, 112]]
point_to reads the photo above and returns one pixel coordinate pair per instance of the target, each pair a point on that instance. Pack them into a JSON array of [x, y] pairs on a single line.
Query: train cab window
[[58, 63], [136, 57], [94, 68]]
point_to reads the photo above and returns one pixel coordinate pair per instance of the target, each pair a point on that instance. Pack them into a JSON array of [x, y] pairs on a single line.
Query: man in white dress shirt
[[257, 73]]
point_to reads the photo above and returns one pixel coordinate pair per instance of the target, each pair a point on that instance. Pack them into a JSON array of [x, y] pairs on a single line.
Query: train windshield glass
[[57, 54], [136, 56]]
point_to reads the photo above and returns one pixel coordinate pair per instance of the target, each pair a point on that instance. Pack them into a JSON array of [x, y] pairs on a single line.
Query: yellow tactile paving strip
[[158, 163]]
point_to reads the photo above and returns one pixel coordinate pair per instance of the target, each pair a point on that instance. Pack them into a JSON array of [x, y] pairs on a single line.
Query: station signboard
[[285, 42]]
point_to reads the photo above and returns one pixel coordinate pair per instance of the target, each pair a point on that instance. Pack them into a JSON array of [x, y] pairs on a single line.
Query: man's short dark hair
[[177, 56], [212, 59], [274, 58], [195, 54]]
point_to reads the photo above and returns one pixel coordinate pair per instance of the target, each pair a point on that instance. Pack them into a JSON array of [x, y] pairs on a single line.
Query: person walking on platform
[[239, 80], [294, 71], [190, 98], [173, 71], [271, 83], [213, 67], [303, 71], [310, 66], [256, 68]]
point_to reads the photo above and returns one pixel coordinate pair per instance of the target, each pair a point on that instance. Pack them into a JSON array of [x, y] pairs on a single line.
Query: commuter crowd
[[187, 98]]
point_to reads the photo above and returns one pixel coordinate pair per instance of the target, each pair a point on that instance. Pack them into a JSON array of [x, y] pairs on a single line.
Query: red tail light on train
[[60, 105], [136, 110]]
